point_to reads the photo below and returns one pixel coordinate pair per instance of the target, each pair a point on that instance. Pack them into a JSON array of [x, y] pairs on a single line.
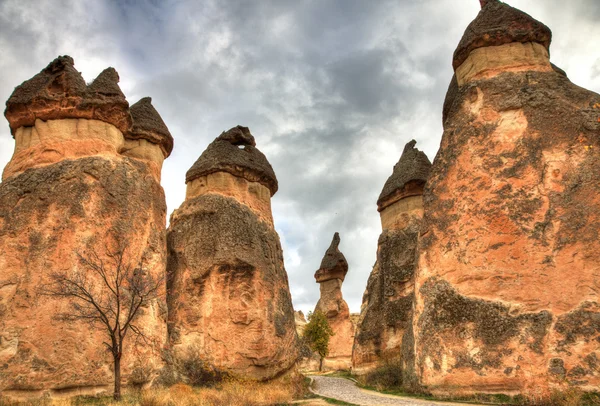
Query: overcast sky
[[332, 90]]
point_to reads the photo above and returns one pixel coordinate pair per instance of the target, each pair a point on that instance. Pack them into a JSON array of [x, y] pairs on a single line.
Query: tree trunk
[[117, 394], [321, 364]]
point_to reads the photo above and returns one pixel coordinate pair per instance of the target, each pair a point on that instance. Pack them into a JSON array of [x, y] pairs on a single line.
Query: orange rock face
[[330, 276], [66, 190], [507, 294], [384, 330], [229, 299]]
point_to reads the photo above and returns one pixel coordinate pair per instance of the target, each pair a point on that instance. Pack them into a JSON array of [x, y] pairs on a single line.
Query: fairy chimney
[[229, 300], [70, 190], [330, 277], [386, 311], [509, 247]]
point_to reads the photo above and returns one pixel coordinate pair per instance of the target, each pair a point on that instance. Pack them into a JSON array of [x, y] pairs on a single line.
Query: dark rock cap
[[412, 168], [148, 124], [496, 24], [235, 152], [334, 264], [59, 91]]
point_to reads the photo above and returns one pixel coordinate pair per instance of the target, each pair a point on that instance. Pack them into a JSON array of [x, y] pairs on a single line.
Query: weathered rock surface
[[59, 91], [222, 155], [68, 190], [330, 276], [229, 297], [386, 311], [507, 294], [148, 125], [300, 321]]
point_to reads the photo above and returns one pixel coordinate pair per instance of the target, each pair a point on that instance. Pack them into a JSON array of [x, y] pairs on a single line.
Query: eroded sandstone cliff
[[507, 294], [386, 313], [229, 299], [69, 189], [330, 277]]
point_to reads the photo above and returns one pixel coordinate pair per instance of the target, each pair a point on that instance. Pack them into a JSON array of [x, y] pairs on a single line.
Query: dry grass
[[234, 393], [230, 392]]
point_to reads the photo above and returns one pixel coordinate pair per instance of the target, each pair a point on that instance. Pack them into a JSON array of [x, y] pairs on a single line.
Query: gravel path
[[347, 391]]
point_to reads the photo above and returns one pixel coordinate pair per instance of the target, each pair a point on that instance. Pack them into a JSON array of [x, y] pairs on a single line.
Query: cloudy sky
[[331, 89]]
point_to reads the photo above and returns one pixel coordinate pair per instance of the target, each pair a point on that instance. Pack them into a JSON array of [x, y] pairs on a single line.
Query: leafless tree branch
[[107, 294]]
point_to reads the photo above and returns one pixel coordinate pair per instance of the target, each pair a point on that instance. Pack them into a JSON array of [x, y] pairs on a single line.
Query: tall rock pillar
[[330, 277], [229, 300], [507, 292], [75, 184], [386, 311]]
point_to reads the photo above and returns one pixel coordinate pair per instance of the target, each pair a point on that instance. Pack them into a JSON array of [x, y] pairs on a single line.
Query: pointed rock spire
[[106, 84], [149, 125], [412, 169], [59, 91], [106, 102], [496, 24], [334, 264], [234, 151]]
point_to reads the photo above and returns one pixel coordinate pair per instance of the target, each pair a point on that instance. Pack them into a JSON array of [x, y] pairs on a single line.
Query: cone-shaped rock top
[[149, 125], [496, 24], [413, 166], [106, 84], [59, 92], [333, 264], [235, 152]]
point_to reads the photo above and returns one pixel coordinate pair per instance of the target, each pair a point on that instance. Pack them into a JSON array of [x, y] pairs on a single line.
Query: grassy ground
[[230, 393], [385, 380]]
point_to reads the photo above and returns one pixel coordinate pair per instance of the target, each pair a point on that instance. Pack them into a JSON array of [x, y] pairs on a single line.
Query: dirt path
[[347, 391]]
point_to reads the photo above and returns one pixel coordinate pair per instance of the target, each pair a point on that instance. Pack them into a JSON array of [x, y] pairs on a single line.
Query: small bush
[[304, 350], [198, 372], [190, 369], [141, 374], [386, 377], [572, 397]]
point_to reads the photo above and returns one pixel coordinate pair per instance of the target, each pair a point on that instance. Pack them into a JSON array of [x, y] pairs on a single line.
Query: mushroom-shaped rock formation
[[498, 24], [59, 92], [384, 328], [509, 248], [148, 125], [407, 181], [149, 137], [67, 191], [232, 165], [333, 264], [502, 38], [235, 152], [55, 116], [330, 276], [229, 300]]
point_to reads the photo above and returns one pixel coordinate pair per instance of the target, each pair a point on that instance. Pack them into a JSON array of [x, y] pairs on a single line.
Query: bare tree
[[107, 293]]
